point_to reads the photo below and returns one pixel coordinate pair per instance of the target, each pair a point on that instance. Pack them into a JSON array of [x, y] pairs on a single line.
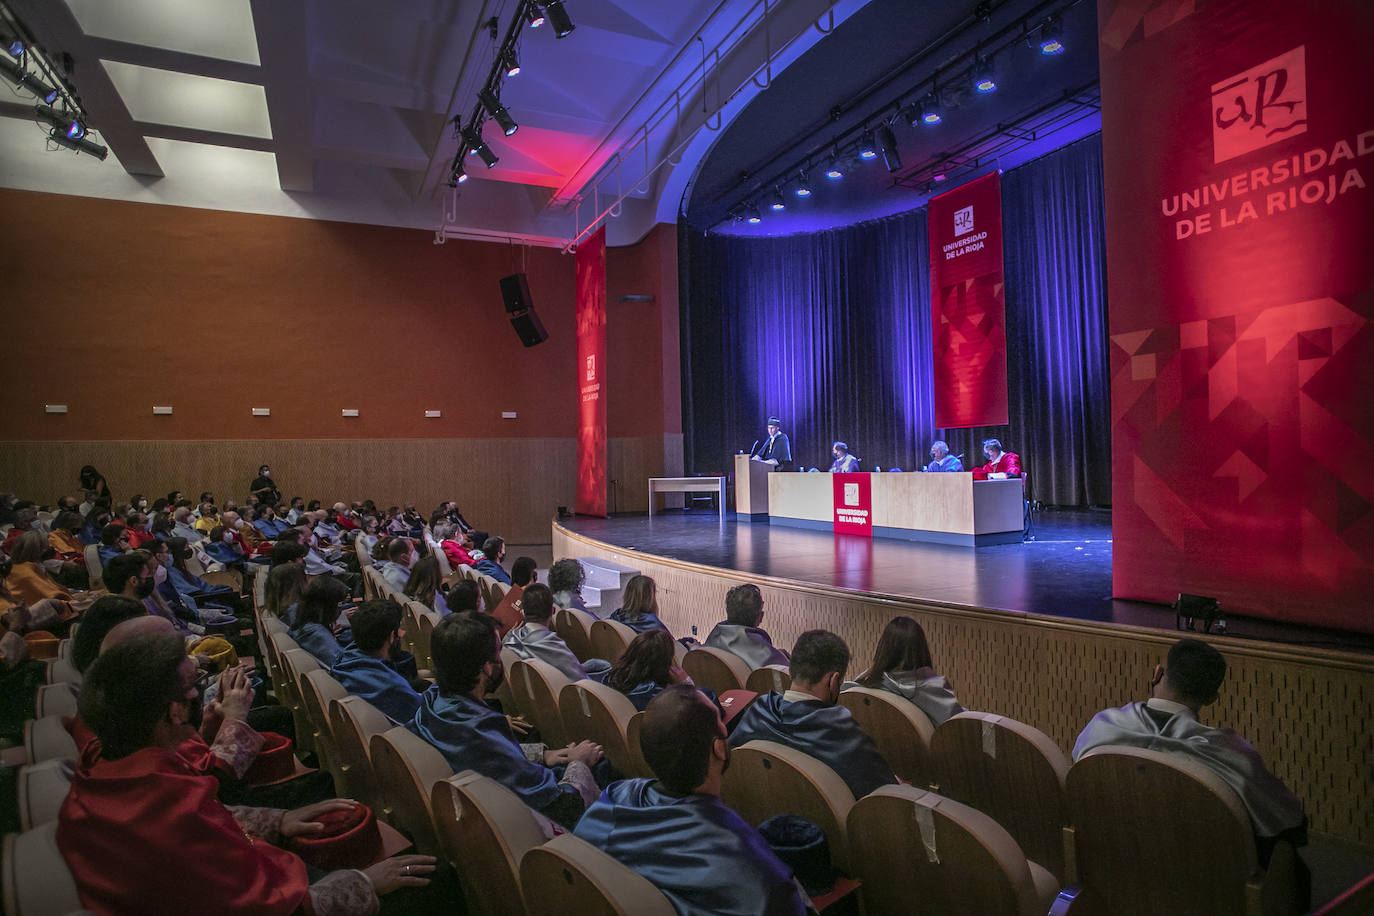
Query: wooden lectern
[[751, 487]]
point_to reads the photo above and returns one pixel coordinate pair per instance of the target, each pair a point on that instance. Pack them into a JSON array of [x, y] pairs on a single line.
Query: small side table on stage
[[751, 489], [712, 485]]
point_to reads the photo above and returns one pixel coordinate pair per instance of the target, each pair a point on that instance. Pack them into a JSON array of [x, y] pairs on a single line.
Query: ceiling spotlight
[[476, 147], [14, 47], [803, 188], [929, 110], [512, 64], [82, 145], [888, 144], [868, 148], [983, 80], [558, 18], [1052, 36], [534, 14], [493, 106], [752, 216], [459, 174], [71, 128], [29, 81], [833, 171], [777, 203]]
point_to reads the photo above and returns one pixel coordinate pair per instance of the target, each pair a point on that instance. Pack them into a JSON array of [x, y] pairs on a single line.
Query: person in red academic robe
[[141, 831], [1000, 463]]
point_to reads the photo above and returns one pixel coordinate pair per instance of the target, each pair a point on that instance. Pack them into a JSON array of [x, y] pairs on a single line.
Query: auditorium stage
[[1066, 571]]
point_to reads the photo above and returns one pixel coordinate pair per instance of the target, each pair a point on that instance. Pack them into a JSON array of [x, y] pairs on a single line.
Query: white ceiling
[[341, 109]]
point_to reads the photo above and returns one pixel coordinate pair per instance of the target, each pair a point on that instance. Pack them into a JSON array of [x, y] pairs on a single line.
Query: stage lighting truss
[[64, 121]]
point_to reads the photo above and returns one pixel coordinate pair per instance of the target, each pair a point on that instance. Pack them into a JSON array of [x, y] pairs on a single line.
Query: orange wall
[[112, 307]]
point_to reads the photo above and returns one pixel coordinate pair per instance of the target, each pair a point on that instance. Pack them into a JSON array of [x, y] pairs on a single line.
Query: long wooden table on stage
[[1306, 709], [941, 508]]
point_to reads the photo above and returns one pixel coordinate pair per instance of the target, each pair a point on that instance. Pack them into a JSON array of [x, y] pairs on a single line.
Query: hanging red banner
[[968, 299], [591, 375]]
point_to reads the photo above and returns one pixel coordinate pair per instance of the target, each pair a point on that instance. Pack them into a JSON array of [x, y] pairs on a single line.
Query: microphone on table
[[754, 449]]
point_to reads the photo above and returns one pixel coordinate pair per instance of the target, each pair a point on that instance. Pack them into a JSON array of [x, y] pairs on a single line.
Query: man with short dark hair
[[1189, 680], [676, 832], [400, 557], [263, 489], [362, 669], [493, 550], [808, 718], [455, 718], [739, 632], [534, 638]]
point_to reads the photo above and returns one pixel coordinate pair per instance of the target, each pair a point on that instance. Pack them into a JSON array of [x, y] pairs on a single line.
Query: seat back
[[62, 671], [917, 852], [769, 679], [610, 638], [427, 620], [445, 567], [48, 739], [56, 700], [575, 628], [410, 626], [1159, 833], [717, 669], [595, 712], [371, 578], [898, 727], [318, 689], [485, 830], [537, 686], [1011, 772], [406, 767], [355, 721], [505, 694], [766, 778], [583, 879], [295, 663], [36, 879], [42, 787], [94, 570]]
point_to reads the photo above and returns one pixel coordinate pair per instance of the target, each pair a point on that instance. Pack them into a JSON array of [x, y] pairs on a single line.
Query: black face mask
[[497, 678], [395, 649], [145, 588]]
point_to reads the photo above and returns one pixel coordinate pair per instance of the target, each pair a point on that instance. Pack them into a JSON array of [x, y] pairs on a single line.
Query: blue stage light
[[983, 80], [868, 148], [1052, 36]]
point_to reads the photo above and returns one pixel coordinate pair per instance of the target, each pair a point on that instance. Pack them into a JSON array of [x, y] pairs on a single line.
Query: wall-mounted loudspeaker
[[515, 290]]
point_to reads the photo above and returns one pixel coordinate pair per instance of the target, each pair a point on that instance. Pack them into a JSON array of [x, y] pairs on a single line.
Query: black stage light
[[1052, 36], [534, 13], [983, 79], [83, 145], [558, 18], [478, 147], [13, 46], [888, 144], [833, 169], [929, 111], [803, 188], [29, 81], [493, 106], [753, 216], [868, 148], [776, 202], [512, 64]]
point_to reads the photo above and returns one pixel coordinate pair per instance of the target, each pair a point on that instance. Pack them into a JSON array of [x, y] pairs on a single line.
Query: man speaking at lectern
[[776, 450]]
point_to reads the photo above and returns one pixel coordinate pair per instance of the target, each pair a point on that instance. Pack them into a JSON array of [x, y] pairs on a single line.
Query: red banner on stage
[[1238, 153], [968, 298], [591, 375], [853, 504]]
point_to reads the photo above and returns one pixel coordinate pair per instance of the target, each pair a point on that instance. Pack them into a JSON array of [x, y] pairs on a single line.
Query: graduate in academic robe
[[1190, 679], [141, 831], [739, 632], [639, 606], [675, 831], [941, 460], [776, 449], [362, 669], [455, 718], [808, 717], [316, 624], [534, 639], [902, 665], [1000, 464], [844, 462]]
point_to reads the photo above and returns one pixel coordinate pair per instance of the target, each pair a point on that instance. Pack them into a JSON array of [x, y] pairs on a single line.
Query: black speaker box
[[529, 327], [515, 289]]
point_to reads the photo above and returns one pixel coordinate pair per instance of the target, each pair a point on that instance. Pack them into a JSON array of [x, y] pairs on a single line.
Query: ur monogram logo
[[591, 367], [851, 494], [1260, 106], [963, 220]]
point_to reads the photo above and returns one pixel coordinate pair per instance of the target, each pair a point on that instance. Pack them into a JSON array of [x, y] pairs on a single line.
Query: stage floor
[[1066, 571]]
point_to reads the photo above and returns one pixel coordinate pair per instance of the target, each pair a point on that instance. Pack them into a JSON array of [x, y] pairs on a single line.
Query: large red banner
[[853, 504], [968, 302], [1238, 145], [591, 375]]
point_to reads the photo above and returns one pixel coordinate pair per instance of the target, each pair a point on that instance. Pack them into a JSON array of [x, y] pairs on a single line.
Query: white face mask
[[228, 537], [238, 523], [37, 525], [414, 558], [143, 503], [160, 575]]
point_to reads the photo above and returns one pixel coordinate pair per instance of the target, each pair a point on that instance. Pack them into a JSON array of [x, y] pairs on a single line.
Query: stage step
[[605, 581]]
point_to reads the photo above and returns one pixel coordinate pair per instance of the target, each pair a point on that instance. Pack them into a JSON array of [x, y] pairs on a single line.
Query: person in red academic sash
[[1000, 464]]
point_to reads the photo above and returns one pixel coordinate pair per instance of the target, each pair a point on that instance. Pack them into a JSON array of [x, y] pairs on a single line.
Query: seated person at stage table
[[675, 831], [639, 606], [140, 824], [776, 449], [1190, 679], [363, 669], [739, 632], [1000, 464], [535, 640], [808, 718], [844, 462], [455, 718], [941, 459], [902, 665]]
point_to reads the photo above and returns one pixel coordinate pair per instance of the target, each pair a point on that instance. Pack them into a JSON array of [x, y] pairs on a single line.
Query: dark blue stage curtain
[[831, 331]]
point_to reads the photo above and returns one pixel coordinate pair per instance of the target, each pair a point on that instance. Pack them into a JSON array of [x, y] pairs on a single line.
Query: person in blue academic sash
[[739, 632], [844, 462], [315, 625], [534, 640], [808, 717], [362, 669], [675, 831], [941, 459], [639, 606], [455, 718]]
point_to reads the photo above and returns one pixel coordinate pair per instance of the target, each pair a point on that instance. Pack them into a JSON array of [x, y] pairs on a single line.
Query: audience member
[[363, 670], [509, 611], [464, 595], [25, 520], [100, 618], [223, 547], [293, 515], [647, 668], [902, 665], [639, 606], [65, 539], [182, 526], [134, 575], [493, 550], [400, 556], [425, 585], [808, 717], [93, 482], [565, 581], [267, 523], [456, 547], [194, 590], [263, 489], [455, 718], [140, 529], [316, 623], [739, 632], [28, 579], [675, 831], [535, 640]]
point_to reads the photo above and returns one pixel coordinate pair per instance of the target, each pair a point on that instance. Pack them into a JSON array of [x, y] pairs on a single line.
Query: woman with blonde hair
[[639, 606], [425, 585]]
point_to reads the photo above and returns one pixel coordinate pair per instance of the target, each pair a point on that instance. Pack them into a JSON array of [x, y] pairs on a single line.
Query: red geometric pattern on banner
[[591, 375]]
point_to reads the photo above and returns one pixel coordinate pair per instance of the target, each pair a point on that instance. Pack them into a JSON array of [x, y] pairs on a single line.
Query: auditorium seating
[[355, 722], [769, 679], [405, 768], [485, 830], [537, 686], [94, 570], [318, 689], [445, 567], [505, 694], [47, 739], [575, 629], [610, 638], [917, 852], [1159, 833], [1013, 773], [41, 789], [583, 879], [61, 671], [594, 712], [295, 663], [898, 727], [766, 778], [56, 700], [36, 880], [716, 668]]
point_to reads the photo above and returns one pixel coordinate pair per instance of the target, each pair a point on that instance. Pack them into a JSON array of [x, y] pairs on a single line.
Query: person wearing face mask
[[364, 670], [317, 565], [194, 590], [207, 517], [140, 528], [263, 488], [65, 539], [267, 523], [135, 575], [25, 519], [316, 625], [675, 831], [808, 718], [455, 718], [400, 557], [28, 580], [223, 547], [494, 551]]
